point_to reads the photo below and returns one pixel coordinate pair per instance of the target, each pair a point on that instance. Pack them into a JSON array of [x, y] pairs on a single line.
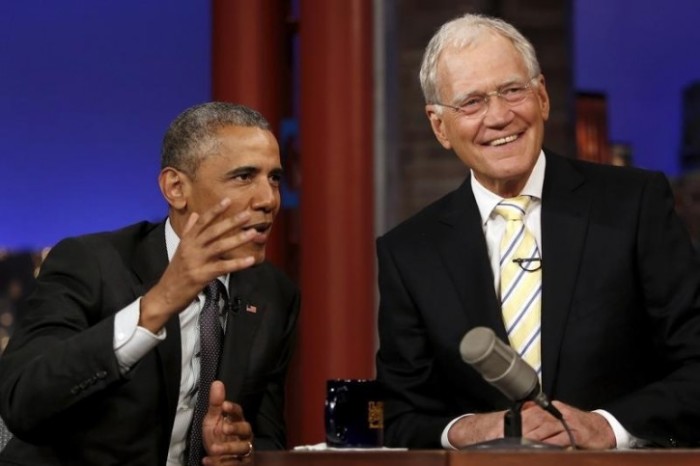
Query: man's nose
[[267, 196], [498, 112]]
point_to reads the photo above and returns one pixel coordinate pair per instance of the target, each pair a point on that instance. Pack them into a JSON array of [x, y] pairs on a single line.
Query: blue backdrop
[[87, 89]]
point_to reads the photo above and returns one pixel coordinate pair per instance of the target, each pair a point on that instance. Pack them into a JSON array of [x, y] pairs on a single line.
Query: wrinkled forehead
[[485, 63]]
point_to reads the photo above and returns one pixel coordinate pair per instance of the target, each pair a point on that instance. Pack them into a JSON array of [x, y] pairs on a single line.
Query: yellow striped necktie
[[521, 282]]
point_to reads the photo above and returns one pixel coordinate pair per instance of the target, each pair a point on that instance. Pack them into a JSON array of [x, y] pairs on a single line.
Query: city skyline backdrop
[[641, 55]]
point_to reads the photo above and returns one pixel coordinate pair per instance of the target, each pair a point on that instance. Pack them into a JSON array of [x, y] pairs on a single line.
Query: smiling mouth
[[505, 140]]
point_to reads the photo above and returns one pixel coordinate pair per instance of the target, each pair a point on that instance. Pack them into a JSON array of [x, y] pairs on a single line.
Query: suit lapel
[[247, 308], [462, 247], [150, 260], [565, 217]]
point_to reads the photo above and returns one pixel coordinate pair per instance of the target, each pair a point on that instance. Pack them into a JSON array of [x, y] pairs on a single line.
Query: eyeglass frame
[[527, 85]]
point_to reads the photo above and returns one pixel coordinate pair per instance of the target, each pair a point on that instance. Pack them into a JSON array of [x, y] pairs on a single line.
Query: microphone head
[[499, 364], [477, 344]]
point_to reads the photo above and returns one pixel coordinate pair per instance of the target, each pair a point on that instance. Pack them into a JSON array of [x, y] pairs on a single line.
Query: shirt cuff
[[131, 342], [623, 439], [444, 439]]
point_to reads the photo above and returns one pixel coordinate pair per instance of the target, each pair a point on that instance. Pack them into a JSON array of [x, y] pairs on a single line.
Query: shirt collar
[[487, 201]]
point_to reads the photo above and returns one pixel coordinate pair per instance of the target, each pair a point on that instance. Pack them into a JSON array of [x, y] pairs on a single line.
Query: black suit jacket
[[61, 391], [620, 307]]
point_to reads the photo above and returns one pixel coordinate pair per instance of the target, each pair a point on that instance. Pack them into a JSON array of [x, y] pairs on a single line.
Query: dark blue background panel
[[87, 89]]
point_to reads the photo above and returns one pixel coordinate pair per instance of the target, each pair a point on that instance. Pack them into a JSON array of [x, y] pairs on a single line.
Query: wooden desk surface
[[352, 458], [480, 458], [576, 458]]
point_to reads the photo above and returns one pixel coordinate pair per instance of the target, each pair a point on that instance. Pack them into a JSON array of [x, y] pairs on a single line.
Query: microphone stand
[[512, 435], [513, 421]]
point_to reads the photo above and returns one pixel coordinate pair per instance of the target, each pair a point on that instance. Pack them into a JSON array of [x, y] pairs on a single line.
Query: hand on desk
[[227, 436], [476, 428], [590, 430]]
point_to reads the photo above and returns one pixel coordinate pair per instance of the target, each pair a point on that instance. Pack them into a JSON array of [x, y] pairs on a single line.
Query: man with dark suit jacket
[[616, 306], [103, 368]]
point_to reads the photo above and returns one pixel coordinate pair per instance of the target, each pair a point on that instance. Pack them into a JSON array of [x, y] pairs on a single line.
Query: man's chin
[[257, 251]]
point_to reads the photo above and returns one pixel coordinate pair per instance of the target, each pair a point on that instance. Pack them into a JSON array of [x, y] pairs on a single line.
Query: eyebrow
[[251, 169]]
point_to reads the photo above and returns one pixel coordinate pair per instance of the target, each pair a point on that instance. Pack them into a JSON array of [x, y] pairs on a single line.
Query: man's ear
[[175, 186], [543, 98], [438, 125]]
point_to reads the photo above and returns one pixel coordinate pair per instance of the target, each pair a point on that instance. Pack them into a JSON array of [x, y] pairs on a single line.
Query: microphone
[[529, 264], [503, 368]]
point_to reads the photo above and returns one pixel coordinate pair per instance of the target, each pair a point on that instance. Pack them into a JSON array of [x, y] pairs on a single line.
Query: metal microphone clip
[[529, 264]]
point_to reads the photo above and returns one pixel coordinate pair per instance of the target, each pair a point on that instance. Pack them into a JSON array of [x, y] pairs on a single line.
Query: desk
[[480, 458], [352, 458], [577, 458]]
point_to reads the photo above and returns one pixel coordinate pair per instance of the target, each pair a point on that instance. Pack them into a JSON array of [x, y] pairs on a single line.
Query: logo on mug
[[375, 414]]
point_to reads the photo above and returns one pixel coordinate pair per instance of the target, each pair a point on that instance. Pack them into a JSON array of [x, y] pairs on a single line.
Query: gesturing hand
[[207, 250], [226, 435]]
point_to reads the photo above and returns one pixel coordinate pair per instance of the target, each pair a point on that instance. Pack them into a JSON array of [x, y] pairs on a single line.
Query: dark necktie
[[210, 343]]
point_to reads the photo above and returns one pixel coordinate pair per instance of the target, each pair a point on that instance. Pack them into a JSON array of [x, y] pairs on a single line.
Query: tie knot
[[214, 290], [513, 208]]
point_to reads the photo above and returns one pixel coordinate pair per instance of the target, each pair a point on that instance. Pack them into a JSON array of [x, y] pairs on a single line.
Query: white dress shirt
[[132, 342]]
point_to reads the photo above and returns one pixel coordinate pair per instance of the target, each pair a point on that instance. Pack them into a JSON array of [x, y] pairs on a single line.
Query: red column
[[248, 67], [337, 333]]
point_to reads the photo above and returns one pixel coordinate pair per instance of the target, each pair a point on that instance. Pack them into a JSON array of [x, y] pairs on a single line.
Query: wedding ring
[[249, 452]]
